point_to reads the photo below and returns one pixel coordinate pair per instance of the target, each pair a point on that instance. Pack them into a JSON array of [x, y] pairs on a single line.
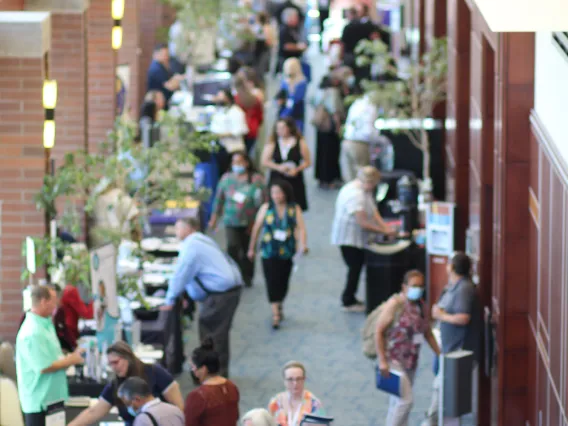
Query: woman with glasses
[[216, 401], [290, 407], [124, 363]]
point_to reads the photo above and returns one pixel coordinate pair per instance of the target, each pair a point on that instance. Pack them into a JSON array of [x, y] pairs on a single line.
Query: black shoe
[[354, 307], [276, 322]]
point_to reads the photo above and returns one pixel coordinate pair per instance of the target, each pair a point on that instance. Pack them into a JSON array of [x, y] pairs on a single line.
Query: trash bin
[[386, 265]]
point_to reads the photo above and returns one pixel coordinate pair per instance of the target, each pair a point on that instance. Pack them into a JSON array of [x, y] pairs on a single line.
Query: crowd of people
[[264, 218]]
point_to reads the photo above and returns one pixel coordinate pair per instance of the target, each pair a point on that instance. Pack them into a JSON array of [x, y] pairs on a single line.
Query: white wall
[[551, 90]]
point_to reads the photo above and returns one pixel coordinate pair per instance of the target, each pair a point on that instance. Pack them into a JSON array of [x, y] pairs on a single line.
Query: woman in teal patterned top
[[240, 193], [283, 234]]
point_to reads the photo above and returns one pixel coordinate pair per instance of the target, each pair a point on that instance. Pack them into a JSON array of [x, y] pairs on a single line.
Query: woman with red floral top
[[401, 329]]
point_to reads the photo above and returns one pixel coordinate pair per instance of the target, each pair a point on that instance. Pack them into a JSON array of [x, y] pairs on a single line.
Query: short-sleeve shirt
[[37, 348], [231, 121], [158, 75], [277, 235], [457, 299], [157, 378], [239, 200], [288, 35], [345, 230]]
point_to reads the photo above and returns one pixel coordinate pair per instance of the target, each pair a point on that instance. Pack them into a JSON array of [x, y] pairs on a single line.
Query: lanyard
[[293, 420]]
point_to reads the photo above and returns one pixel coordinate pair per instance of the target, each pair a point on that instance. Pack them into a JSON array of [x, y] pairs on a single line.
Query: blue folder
[[314, 419], [391, 384]]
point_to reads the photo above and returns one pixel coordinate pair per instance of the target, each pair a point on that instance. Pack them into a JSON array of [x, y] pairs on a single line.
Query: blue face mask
[[132, 411], [414, 293], [238, 169]]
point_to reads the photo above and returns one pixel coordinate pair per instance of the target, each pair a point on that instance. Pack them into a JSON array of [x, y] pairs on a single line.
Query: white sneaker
[[356, 307]]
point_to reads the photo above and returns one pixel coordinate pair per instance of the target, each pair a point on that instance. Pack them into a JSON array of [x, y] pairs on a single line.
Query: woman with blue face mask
[[240, 194], [401, 329]]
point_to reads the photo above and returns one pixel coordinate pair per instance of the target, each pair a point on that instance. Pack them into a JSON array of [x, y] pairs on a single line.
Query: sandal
[[276, 322]]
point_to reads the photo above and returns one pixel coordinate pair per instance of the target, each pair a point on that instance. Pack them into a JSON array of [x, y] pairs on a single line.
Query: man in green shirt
[[40, 363]]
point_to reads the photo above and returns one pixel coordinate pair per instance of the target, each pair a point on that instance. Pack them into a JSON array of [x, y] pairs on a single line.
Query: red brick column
[[100, 71], [21, 159], [6, 5]]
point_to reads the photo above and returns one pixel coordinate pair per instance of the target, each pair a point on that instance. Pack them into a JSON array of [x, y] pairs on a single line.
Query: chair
[[7, 363], [10, 412]]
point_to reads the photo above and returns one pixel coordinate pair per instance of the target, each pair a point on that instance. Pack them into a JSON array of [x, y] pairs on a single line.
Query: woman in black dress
[[286, 155]]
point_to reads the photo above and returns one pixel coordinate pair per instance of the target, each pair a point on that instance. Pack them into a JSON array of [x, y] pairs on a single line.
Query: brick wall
[[21, 172], [67, 66], [129, 54], [11, 4], [100, 77]]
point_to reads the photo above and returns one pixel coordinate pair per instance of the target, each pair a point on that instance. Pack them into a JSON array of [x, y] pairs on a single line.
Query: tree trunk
[[425, 141]]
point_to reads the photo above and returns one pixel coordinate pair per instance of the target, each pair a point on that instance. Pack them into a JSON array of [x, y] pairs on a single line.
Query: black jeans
[[34, 419], [238, 239], [354, 258]]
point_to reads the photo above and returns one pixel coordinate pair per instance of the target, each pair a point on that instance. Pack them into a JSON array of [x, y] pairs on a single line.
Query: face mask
[[132, 411], [238, 169], [414, 293], [351, 80]]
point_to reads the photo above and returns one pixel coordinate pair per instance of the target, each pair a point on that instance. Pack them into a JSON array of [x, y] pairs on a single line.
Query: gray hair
[[289, 13], [134, 387], [258, 417], [41, 292], [193, 222]]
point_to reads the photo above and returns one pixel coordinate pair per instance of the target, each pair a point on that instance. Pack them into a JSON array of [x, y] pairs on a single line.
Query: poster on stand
[[105, 294]]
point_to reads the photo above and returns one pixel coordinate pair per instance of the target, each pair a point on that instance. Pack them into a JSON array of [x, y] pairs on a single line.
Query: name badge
[[279, 235], [290, 103], [418, 339], [239, 197]]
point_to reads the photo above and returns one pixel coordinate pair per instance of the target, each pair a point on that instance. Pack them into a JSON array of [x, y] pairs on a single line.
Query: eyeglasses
[[111, 363], [295, 379]]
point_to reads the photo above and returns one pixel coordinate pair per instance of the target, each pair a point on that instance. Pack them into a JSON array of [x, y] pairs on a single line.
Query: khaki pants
[[400, 408], [353, 156]]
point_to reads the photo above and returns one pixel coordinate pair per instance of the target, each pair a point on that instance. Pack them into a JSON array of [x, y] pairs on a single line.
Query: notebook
[[391, 384], [313, 419]]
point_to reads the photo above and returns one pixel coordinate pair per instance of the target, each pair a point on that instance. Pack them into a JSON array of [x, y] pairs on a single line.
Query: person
[[265, 39], [211, 278], [359, 133], [401, 329], [136, 395], [328, 102], [216, 401], [287, 155], [281, 224], [350, 37], [71, 309], [258, 417], [240, 194], [290, 44], [290, 407], [125, 364], [250, 99], [154, 103], [280, 13], [292, 95], [114, 211], [355, 216], [40, 363], [229, 124], [458, 311], [160, 76]]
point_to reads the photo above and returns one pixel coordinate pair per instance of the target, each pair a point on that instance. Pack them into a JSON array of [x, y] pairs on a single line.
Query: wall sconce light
[[117, 15], [49, 104]]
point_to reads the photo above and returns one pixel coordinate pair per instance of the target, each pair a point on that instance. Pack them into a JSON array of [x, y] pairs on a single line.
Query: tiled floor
[[315, 332]]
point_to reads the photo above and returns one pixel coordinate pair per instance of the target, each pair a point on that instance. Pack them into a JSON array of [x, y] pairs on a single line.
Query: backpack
[[322, 119], [370, 328]]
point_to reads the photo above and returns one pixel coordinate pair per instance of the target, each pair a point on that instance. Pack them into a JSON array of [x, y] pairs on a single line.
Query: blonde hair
[[293, 364], [293, 68], [259, 417], [369, 174]]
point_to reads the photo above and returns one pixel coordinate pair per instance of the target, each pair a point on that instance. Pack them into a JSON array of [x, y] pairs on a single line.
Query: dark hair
[[286, 188], [251, 75], [132, 387], [227, 92], [250, 167], [461, 264], [41, 292], [135, 365], [206, 356], [352, 12], [160, 46], [291, 124], [326, 82], [262, 17], [411, 274]]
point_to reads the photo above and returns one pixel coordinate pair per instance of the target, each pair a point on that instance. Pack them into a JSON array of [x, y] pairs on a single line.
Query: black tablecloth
[[86, 387], [72, 412]]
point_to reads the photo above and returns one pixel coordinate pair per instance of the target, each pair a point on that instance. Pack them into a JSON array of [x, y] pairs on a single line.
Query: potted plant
[[407, 103]]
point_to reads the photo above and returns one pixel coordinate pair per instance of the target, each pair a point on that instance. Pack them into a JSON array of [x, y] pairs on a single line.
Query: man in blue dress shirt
[[160, 75], [210, 277]]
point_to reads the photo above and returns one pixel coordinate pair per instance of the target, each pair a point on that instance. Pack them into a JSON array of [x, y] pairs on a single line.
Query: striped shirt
[[345, 230]]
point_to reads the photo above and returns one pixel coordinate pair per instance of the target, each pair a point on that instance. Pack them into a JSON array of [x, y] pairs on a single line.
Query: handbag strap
[[152, 418]]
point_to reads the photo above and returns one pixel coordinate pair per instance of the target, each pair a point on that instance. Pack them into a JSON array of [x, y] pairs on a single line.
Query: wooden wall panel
[[544, 250]]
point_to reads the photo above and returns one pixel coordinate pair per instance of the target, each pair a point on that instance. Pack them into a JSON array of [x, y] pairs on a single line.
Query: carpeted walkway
[[315, 332]]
